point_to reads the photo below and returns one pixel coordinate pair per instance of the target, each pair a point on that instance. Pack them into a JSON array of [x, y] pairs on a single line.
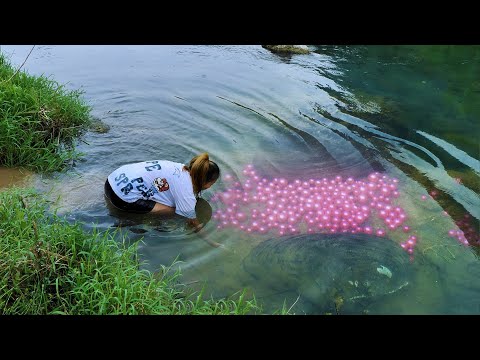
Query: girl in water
[[162, 187]]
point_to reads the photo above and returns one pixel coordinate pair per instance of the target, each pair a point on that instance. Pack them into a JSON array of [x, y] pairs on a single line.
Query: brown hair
[[202, 170]]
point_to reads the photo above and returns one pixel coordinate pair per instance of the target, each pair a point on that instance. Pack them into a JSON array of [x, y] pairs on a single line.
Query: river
[[411, 113]]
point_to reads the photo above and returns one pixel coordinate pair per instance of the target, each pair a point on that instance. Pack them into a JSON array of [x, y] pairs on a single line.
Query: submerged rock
[[332, 270], [288, 49], [99, 126]]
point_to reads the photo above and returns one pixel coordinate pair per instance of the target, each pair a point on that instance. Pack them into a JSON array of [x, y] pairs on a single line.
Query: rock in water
[[98, 126], [288, 49], [351, 270]]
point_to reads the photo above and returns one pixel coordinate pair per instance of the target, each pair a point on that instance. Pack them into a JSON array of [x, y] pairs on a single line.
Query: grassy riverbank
[[39, 120], [49, 266]]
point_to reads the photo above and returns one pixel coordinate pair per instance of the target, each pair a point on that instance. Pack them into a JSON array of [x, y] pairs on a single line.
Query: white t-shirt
[[162, 181]]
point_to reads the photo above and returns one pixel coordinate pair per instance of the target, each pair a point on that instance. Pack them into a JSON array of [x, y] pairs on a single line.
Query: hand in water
[[198, 228], [227, 249], [208, 241], [218, 245]]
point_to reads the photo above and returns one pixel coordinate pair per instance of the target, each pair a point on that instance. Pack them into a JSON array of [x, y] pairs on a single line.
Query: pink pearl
[[333, 204]]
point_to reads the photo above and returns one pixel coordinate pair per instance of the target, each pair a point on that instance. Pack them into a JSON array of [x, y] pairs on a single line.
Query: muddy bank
[[14, 177]]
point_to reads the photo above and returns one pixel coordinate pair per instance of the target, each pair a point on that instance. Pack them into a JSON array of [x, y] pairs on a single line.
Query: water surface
[[410, 112]]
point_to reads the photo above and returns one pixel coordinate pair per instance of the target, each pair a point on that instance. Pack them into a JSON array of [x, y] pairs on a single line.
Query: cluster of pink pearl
[[259, 205], [459, 235], [409, 244], [470, 234]]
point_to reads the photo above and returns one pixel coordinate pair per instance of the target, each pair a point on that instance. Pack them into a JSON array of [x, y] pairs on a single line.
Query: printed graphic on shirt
[[177, 172], [161, 184], [137, 183]]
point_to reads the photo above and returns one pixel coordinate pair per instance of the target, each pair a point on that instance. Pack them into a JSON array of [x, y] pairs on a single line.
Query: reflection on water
[[409, 113]]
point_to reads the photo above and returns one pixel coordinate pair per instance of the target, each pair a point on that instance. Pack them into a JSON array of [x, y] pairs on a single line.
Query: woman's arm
[[195, 224]]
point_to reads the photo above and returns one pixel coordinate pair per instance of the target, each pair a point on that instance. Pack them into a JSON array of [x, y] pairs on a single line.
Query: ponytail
[[202, 170]]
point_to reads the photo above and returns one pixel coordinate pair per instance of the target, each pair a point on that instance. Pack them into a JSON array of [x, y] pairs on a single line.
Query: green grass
[[50, 266], [39, 121]]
